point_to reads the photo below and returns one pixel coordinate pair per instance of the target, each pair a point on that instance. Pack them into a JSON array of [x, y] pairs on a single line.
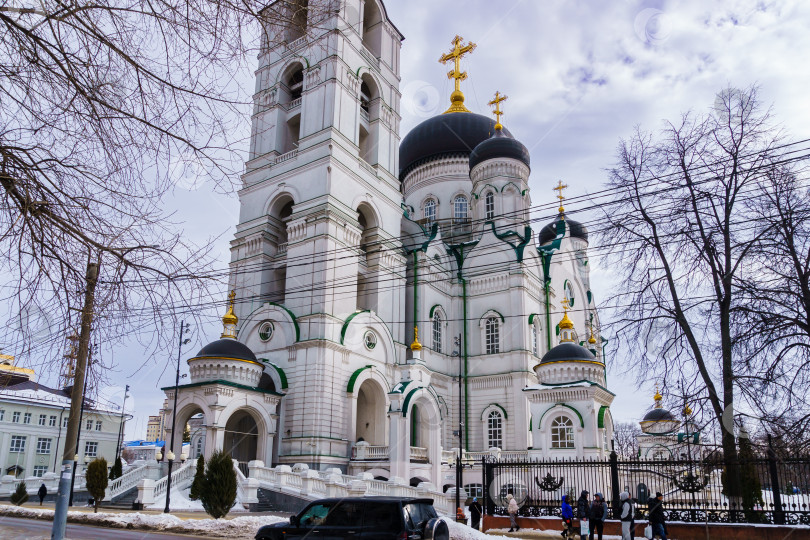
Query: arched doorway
[[241, 437], [370, 418]]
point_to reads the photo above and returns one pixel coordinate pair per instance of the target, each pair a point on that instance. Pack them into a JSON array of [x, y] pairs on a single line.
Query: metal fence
[[772, 490]]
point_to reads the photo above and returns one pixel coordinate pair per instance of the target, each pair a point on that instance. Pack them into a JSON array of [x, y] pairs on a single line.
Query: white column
[[399, 445]]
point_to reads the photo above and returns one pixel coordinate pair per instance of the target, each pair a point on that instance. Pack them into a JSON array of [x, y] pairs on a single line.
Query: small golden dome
[[416, 346], [657, 397], [230, 319], [566, 323]]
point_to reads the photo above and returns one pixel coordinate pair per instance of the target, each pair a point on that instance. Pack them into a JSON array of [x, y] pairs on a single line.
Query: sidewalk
[[536, 533]]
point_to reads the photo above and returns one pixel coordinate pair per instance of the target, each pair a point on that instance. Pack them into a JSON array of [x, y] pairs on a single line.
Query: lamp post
[[459, 476], [119, 442], [184, 329]]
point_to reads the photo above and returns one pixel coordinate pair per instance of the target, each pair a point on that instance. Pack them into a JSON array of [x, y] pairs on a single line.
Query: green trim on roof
[[600, 419], [590, 296], [532, 316], [225, 383], [523, 241], [579, 381], [503, 320], [281, 374], [581, 420], [433, 309], [355, 375], [505, 416], [348, 320], [408, 400], [530, 423], [290, 313], [400, 387]]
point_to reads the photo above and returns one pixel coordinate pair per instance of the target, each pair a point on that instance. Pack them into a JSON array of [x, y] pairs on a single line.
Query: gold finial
[[559, 189], [687, 410], [566, 325], [592, 339], [229, 320], [498, 112], [455, 54], [416, 346], [657, 397]]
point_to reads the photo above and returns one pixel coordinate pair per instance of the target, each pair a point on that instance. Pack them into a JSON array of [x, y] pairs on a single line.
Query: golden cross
[[559, 189], [497, 102], [231, 298], [455, 54], [566, 304]]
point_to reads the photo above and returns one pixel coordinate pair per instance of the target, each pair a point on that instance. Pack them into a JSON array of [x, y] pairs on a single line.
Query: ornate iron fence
[[773, 491]]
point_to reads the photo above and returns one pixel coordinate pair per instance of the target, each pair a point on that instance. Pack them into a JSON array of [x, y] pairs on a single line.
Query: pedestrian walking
[[512, 509], [42, 492], [583, 513], [475, 513], [568, 518], [656, 508], [597, 516], [626, 515]]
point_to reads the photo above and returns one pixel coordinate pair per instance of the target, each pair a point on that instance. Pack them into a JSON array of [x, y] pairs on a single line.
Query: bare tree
[[625, 438], [774, 311], [685, 211], [103, 107]]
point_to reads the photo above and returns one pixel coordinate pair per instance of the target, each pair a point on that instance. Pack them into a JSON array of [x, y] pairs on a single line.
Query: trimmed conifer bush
[[117, 470], [20, 496], [199, 480], [218, 492], [96, 479]]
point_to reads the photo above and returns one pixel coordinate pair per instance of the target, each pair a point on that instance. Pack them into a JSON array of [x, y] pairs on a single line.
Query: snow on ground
[[179, 502], [239, 527]]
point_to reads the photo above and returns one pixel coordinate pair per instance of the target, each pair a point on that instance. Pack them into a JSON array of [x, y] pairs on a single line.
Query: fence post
[[776, 489], [489, 477], [614, 485]]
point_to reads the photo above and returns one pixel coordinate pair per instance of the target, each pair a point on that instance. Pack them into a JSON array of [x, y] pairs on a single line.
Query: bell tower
[[320, 204]]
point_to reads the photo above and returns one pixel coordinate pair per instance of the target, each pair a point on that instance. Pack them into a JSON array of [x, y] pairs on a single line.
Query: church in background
[[391, 300]]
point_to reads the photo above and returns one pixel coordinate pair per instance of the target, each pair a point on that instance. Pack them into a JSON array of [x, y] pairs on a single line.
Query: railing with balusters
[[125, 482], [293, 104], [296, 43], [180, 477]]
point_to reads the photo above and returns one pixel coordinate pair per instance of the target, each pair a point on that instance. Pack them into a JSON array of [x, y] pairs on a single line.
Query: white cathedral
[[392, 302]]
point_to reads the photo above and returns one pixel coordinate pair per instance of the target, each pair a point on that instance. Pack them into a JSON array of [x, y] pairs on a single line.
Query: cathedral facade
[[392, 301]]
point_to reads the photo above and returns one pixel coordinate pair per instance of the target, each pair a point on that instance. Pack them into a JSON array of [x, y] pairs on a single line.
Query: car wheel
[[436, 529]]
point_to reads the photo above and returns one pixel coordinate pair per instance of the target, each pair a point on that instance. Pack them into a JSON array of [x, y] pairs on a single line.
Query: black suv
[[362, 518]]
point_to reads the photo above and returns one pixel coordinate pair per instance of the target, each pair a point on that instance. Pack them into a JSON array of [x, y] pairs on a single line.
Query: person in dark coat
[[583, 510], [475, 513], [597, 516], [657, 521], [43, 492]]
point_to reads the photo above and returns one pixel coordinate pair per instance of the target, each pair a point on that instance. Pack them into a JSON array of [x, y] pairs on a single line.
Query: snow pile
[[460, 531], [179, 501], [243, 526]]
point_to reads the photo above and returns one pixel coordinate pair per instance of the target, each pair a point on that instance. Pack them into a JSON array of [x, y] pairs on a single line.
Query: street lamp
[[459, 477], [120, 440], [184, 329]]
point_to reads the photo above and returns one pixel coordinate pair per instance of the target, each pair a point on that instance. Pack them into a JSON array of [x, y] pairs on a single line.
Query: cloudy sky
[[579, 75]]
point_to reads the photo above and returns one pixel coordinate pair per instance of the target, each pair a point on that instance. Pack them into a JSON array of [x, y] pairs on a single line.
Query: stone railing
[[8, 484], [149, 489], [286, 156], [296, 43], [294, 104], [370, 57], [128, 480], [419, 454], [368, 166], [365, 452], [281, 249], [364, 115], [449, 456], [307, 484]]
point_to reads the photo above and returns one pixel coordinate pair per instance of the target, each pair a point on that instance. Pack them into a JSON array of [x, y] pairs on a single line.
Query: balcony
[[291, 46], [419, 455], [365, 452], [286, 156], [364, 114], [294, 104], [282, 249], [370, 57]]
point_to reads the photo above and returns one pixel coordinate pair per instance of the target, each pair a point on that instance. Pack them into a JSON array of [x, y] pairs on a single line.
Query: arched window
[[562, 432], [429, 211], [492, 341], [460, 208], [437, 332], [296, 84], [495, 430], [535, 340], [489, 205], [365, 97]]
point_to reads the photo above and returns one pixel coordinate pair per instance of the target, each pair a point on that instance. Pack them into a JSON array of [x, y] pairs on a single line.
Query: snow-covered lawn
[[238, 527]]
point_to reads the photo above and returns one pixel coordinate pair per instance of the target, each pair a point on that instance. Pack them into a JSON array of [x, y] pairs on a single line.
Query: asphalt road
[[34, 529]]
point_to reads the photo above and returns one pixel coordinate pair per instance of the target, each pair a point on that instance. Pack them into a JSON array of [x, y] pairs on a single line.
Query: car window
[[345, 514], [417, 515], [381, 517], [315, 515]]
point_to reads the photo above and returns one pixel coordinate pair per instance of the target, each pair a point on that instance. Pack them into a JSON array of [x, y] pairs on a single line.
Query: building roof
[[549, 232], [43, 395], [499, 146], [658, 415], [444, 135], [568, 352], [227, 348]]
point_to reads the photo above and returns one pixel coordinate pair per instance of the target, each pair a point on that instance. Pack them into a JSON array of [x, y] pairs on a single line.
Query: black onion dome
[[444, 135], [577, 230], [499, 146], [227, 348], [658, 415], [568, 351]]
